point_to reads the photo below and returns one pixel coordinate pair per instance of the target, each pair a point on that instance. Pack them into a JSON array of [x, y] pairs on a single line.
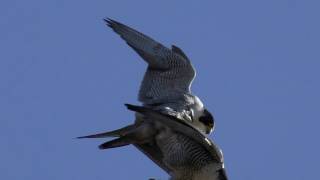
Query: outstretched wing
[[169, 73]]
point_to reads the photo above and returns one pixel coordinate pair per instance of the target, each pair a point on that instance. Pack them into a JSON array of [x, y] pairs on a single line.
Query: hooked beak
[[210, 128]]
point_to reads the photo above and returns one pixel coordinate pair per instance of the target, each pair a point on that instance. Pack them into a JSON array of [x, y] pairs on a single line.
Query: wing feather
[[169, 71]]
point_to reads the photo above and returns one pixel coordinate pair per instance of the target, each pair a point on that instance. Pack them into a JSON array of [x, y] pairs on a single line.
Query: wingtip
[[111, 22], [131, 107], [91, 136], [82, 137], [140, 109], [108, 21]]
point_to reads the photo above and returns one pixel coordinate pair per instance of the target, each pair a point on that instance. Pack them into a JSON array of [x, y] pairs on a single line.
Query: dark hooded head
[[208, 120]]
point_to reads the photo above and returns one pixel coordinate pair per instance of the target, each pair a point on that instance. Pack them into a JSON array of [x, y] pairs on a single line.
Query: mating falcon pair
[[171, 125]]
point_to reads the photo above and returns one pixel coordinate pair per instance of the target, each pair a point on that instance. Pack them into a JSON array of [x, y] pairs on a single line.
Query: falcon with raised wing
[[174, 145], [166, 86]]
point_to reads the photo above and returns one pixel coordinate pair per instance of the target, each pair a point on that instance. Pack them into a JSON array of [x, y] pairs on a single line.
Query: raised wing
[[169, 73]]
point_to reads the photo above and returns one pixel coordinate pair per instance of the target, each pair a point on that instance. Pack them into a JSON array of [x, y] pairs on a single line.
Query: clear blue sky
[[63, 74]]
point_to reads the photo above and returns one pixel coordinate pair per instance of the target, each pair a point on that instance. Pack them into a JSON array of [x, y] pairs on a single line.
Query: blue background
[[63, 74]]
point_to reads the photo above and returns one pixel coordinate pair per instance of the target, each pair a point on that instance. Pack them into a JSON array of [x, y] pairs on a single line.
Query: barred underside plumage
[[180, 149], [176, 146], [183, 153]]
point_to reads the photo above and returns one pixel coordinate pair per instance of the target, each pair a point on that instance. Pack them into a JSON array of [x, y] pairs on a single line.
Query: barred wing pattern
[[183, 147], [169, 74]]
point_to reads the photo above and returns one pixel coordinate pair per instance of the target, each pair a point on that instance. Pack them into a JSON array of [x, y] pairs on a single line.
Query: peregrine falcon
[[166, 86], [184, 152]]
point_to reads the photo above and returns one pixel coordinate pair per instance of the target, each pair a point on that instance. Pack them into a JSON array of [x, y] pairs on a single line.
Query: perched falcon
[[177, 147], [167, 82]]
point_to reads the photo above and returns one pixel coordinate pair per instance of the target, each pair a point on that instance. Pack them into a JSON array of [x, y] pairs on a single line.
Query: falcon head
[[207, 120], [202, 119]]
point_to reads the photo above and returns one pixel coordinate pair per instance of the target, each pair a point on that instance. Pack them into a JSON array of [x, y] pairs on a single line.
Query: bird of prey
[[166, 86], [176, 146]]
